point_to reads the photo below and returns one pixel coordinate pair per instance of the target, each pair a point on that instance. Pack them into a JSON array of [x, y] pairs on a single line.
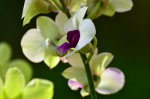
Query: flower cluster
[[106, 80], [15, 74], [14, 87], [70, 37]]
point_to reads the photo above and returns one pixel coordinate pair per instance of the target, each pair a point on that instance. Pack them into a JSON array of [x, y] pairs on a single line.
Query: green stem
[[65, 8], [93, 12], [86, 61], [59, 7], [95, 42], [89, 78]]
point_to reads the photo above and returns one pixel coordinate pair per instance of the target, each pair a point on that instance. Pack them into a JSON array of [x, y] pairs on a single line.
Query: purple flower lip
[[73, 38]]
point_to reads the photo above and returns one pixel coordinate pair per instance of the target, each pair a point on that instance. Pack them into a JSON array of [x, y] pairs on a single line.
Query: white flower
[[38, 44], [106, 80], [79, 31]]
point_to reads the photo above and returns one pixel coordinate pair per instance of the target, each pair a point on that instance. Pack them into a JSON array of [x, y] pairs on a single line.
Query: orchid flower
[[14, 87], [106, 80], [79, 31], [40, 44]]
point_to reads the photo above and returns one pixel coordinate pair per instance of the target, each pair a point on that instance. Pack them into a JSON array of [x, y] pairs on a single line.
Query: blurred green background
[[126, 35]]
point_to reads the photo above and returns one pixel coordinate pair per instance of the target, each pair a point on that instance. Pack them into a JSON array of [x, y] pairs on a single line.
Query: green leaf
[[100, 62], [121, 5], [24, 66], [109, 10], [14, 82], [38, 89], [47, 27], [51, 57], [76, 73], [5, 53], [35, 7]]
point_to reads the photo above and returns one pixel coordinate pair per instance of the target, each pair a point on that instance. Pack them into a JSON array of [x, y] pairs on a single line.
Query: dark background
[[126, 35]]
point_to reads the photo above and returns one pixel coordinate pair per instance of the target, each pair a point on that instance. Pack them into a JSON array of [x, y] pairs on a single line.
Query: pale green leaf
[[24, 66], [14, 82], [38, 89], [109, 10], [121, 5], [75, 60], [51, 57], [100, 62], [5, 53], [33, 8], [47, 27], [61, 20], [76, 4], [77, 73]]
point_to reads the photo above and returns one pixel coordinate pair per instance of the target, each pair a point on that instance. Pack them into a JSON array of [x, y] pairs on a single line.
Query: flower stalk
[[57, 4], [89, 78], [85, 60], [65, 8]]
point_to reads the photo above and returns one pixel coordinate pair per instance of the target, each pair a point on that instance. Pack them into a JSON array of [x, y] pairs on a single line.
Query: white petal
[[87, 33], [33, 45], [61, 20], [70, 25], [112, 80], [75, 20], [80, 14]]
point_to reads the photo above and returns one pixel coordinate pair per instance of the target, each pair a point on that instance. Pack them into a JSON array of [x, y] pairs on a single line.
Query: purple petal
[[63, 48], [73, 37], [74, 85]]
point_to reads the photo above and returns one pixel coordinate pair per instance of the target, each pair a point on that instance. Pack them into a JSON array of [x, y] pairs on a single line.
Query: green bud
[[87, 49]]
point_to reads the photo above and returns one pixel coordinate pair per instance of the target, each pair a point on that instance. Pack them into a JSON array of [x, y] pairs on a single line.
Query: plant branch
[[65, 8], [89, 78], [57, 4], [86, 61]]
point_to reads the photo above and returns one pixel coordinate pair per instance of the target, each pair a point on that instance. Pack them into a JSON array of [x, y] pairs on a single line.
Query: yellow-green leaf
[[5, 53], [33, 8], [14, 82], [24, 66], [47, 27], [38, 89], [51, 57]]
